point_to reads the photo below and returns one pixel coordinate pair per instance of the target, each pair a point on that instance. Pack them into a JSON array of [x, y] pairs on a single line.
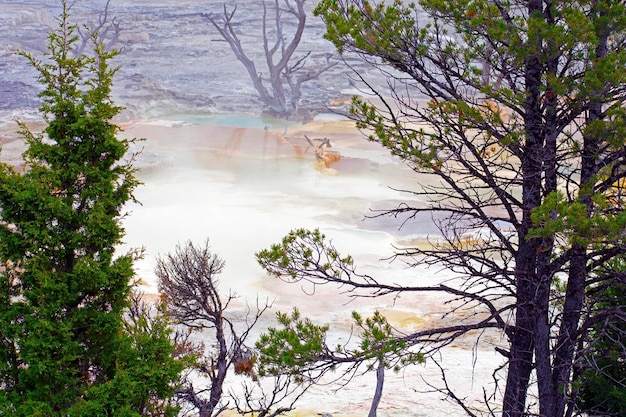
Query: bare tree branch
[[107, 31], [281, 88], [188, 280]]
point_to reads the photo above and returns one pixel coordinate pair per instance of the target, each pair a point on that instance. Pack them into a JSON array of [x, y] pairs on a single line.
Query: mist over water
[[244, 188]]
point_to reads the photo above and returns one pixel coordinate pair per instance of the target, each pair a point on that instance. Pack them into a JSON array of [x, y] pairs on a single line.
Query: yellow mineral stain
[[420, 243], [403, 319]]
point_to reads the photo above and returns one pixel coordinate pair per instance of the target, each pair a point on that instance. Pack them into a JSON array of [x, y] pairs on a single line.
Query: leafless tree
[[286, 70], [107, 29], [190, 288]]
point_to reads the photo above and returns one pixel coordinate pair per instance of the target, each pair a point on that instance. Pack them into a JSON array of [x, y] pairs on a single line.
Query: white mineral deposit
[[213, 167]]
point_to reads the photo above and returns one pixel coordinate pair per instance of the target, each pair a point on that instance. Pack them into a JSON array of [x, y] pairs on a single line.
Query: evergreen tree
[[64, 291], [516, 110], [602, 371]]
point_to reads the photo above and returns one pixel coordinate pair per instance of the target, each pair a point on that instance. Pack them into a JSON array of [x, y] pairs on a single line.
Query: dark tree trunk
[[221, 364], [520, 354], [565, 350], [543, 350], [527, 281]]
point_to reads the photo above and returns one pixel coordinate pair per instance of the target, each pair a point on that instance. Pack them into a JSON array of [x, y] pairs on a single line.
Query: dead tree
[[190, 288], [286, 70], [107, 29]]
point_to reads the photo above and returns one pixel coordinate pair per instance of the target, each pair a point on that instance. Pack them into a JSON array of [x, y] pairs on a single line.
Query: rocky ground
[[172, 59]]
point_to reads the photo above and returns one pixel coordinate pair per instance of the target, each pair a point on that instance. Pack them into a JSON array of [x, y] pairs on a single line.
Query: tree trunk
[[527, 281], [380, 379], [520, 359], [221, 365], [577, 278], [543, 333]]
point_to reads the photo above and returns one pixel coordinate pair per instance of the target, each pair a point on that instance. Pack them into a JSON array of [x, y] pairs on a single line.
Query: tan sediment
[[331, 127], [251, 142]]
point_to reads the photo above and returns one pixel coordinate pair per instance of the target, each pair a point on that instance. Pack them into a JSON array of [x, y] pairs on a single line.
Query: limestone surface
[[172, 60]]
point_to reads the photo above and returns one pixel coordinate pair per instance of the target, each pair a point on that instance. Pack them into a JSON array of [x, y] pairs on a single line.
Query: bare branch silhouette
[[280, 87]]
